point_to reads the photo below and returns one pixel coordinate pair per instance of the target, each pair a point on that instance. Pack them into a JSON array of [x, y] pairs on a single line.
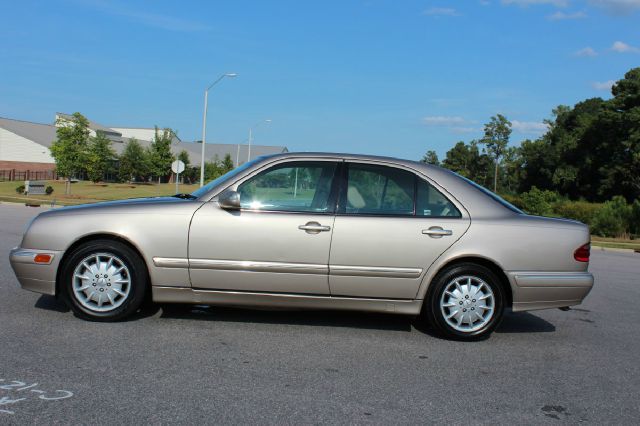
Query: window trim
[[343, 176], [333, 191]]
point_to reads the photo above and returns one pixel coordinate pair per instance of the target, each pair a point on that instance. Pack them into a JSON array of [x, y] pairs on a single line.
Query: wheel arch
[[479, 260], [99, 236]]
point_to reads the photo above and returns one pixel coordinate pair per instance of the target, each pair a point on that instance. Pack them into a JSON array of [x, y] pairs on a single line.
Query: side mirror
[[229, 200]]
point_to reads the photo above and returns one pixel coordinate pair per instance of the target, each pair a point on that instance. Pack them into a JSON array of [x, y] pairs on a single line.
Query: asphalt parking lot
[[185, 364]]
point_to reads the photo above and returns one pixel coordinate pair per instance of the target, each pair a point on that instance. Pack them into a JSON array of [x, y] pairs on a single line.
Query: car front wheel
[[466, 302], [104, 280]]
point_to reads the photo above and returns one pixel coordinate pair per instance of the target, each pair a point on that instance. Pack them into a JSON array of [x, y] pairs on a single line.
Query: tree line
[[77, 154], [590, 154]]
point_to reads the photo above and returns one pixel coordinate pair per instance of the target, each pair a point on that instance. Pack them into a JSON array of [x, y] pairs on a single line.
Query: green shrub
[[613, 219], [513, 199], [583, 211], [49, 190], [20, 189], [538, 202], [634, 221]]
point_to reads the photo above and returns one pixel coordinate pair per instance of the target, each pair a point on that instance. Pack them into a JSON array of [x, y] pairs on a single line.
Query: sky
[[379, 77]]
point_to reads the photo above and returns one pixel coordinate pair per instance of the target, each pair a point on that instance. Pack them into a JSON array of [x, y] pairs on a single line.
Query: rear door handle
[[314, 228], [437, 232]]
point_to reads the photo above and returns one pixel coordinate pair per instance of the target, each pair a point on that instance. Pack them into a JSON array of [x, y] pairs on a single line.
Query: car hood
[[132, 205]]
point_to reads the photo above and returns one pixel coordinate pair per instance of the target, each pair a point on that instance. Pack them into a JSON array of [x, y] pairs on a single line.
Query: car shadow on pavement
[[52, 303], [513, 322], [288, 317], [518, 322], [524, 322]]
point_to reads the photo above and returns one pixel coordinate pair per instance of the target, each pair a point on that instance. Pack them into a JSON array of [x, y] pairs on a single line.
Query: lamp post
[[268, 120], [204, 121]]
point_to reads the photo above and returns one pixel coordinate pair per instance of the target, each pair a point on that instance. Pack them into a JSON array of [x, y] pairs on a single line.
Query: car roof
[[474, 200]]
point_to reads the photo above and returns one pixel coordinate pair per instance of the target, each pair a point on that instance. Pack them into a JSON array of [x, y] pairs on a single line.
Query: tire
[[470, 309], [104, 280]]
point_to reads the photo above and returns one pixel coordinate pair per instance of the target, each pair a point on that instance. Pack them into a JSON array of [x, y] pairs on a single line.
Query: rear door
[[391, 225]]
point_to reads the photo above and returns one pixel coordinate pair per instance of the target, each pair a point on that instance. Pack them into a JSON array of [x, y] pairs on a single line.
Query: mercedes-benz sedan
[[317, 231]]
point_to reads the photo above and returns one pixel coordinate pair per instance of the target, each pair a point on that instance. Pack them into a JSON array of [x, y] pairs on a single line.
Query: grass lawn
[[88, 192], [615, 243]]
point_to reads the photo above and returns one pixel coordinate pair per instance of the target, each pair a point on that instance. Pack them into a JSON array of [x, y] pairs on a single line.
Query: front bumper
[[38, 277], [542, 290]]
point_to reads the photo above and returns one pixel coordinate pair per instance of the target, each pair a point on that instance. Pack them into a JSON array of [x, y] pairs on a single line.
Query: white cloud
[[604, 85], [465, 129], [440, 120], [618, 7], [485, 2], [165, 22], [586, 51], [561, 16], [441, 11], [556, 3], [529, 127], [622, 47]]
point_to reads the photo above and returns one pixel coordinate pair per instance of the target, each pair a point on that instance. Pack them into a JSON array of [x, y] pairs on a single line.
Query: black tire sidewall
[[434, 313], [132, 260]]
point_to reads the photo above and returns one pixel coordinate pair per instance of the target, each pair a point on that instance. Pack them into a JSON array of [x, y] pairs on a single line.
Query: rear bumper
[[542, 290], [32, 276]]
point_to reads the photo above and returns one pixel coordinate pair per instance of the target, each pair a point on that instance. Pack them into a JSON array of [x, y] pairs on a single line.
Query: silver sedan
[[316, 231]]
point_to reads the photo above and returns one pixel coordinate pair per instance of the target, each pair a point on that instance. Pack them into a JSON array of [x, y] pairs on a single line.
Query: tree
[[100, 157], [133, 162], [190, 173], [431, 158], [496, 139], [184, 157], [227, 164], [69, 150], [160, 155], [468, 161]]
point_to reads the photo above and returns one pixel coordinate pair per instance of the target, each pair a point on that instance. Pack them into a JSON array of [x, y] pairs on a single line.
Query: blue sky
[[380, 77]]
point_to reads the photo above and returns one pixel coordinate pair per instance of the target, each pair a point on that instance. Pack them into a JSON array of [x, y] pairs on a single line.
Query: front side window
[[290, 187], [380, 190]]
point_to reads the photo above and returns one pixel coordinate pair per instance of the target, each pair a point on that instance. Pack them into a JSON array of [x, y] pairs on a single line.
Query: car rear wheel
[[104, 280], [466, 302]]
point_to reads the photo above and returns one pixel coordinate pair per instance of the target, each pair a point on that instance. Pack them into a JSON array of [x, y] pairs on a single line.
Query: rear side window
[[431, 203], [381, 190], [388, 191]]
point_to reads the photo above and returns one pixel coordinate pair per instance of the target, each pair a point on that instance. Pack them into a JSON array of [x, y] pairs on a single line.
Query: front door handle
[[314, 228], [437, 232]]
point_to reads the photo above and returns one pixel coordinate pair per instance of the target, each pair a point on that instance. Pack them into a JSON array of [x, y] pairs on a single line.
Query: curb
[[618, 250]]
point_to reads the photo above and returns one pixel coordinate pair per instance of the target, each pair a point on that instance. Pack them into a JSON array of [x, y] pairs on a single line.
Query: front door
[[278, 242], [391, 225]]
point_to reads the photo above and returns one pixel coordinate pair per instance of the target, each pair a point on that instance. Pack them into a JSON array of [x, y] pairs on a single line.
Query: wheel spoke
[[101, 282], [477, 298]]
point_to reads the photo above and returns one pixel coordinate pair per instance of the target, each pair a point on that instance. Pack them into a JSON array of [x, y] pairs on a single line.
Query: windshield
[[495, 197], [230, 174]]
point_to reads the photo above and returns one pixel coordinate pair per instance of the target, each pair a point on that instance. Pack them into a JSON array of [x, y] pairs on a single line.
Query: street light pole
[[204, 121], [251, 135]]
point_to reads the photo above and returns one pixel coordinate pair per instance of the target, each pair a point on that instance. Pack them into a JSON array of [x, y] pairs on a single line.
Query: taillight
[[582, 253]]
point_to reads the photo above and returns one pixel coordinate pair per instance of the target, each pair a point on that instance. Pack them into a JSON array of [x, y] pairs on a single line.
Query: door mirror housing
[[229, 200]]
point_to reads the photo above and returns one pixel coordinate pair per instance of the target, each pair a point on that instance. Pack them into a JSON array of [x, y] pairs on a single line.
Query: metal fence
[[17, 175]]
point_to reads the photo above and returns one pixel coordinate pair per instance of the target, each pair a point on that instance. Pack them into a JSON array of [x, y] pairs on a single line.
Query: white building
[[24, 146]]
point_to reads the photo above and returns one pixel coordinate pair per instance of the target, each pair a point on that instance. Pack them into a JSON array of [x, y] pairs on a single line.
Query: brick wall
[[23, 166]]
